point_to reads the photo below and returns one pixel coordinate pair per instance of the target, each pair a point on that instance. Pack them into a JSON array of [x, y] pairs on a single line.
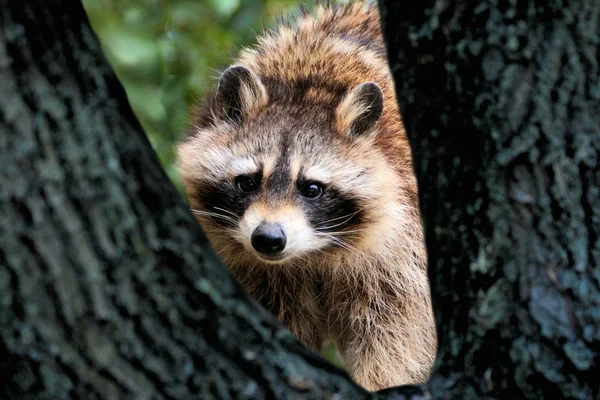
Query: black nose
[[268, 238]]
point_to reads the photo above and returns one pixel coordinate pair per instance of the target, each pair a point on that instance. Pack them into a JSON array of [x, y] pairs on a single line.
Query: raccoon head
[[278, 180]]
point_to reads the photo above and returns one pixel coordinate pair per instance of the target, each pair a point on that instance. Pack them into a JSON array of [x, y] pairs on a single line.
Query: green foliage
[[167, 53]]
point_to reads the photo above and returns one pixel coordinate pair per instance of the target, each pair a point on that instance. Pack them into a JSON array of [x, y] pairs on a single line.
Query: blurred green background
[[167, 53]]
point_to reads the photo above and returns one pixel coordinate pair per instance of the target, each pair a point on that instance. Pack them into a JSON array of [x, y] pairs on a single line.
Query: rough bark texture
[[107, 287], [501, 100]]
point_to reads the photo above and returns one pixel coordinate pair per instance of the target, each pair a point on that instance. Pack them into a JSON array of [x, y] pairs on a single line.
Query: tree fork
[[109, 289]]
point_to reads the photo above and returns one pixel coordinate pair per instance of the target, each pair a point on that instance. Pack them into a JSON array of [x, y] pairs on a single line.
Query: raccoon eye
[[246, 183], [311, 190]]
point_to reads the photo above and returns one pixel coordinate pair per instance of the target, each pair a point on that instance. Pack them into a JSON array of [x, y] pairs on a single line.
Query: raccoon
[[300, 174]]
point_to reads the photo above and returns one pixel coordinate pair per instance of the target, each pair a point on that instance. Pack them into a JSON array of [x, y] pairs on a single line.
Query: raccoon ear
[[358, 112], [238, 93]]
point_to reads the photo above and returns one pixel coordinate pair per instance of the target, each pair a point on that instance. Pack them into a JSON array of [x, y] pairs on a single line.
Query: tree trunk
[[501, 100], [109, 290]]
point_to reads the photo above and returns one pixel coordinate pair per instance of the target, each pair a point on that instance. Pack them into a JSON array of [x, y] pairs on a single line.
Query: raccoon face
[[281, 181]]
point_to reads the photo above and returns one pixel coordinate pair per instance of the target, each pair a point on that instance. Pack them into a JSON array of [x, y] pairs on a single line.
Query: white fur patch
[[318, 173], [242, 166]]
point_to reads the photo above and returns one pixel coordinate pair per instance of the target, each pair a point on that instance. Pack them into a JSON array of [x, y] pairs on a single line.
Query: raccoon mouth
[[272, 258]]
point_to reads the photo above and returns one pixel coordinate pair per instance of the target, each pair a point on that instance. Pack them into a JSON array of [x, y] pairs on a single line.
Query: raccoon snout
[[268, 238]]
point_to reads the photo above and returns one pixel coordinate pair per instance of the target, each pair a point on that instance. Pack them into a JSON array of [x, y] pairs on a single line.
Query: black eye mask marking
[[227, 200], [332, 211]]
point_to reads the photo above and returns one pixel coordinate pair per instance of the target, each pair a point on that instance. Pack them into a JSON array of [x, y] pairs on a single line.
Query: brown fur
[[369, 293]]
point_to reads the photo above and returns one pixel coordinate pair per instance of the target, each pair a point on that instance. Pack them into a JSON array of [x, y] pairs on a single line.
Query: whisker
[[346, 232], [216, 215], [227, 211], [343, 216], [210, 212], [340, 243], [350, 216]]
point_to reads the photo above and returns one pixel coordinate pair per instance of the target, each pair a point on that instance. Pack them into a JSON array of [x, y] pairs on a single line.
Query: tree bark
[[501, 101], [109, 289]]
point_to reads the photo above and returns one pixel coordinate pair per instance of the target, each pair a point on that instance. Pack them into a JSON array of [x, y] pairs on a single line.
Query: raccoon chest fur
[[297, 299], [300, 174]]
